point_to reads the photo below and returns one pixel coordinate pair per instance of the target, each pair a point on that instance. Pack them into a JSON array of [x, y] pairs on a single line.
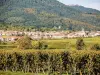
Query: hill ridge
[[47, 14]]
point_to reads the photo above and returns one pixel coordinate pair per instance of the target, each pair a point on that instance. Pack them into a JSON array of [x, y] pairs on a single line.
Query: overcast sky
[[87, 3]]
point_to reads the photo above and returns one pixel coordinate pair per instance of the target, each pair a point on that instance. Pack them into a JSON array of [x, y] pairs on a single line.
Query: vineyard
[[49, 37], [51, 57], [49, 62]]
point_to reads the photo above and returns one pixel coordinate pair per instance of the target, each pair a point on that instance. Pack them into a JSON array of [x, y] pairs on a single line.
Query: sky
[[87, 3]]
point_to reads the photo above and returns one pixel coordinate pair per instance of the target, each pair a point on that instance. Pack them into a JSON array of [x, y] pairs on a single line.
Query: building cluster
[[15, 35]]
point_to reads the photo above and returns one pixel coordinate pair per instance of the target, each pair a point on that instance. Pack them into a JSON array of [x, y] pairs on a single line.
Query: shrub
[[95, 47], [42, 45]]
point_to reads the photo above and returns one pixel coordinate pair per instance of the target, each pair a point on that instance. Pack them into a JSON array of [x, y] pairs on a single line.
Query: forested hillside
[[46, 14], [85, 10]]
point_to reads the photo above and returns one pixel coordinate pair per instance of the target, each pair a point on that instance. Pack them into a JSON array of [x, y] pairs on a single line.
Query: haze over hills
[[47, 14]]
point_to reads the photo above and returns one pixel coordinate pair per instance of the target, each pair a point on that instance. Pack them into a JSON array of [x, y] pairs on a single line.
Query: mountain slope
[[46, 14], [84, 9]]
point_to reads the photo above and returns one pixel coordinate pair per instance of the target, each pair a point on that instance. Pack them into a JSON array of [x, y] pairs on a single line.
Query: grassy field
[[21, 73], [17, 73], [68, 44], [14, 73], [54, 46]]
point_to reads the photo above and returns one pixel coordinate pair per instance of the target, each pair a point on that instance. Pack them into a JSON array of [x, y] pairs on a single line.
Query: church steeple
[[83, 30]]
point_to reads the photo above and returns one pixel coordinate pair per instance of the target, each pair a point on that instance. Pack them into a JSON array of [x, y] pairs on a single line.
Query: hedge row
[[72, 62]]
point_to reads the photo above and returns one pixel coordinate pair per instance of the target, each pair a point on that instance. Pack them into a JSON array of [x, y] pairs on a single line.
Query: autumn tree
[[24, 43]]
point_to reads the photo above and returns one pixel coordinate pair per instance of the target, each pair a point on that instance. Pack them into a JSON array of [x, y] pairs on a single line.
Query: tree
[[24, 43], [80, 44]]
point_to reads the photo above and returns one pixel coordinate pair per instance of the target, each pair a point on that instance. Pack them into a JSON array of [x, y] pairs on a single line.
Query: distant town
[[15, 35]]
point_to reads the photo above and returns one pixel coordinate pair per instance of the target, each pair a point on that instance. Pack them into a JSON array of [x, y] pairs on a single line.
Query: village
[[15, 35]]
